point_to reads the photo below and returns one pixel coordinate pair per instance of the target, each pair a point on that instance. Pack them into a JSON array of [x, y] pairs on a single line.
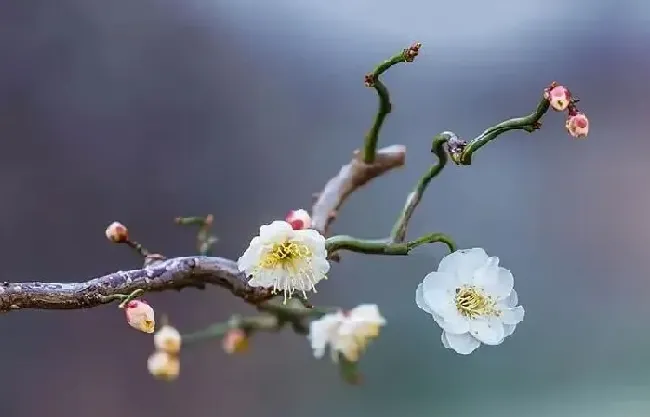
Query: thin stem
[[528, 123], [385, 106], [398, 233], [384, 246]]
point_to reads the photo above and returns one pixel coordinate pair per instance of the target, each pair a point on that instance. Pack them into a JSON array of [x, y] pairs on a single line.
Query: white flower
[[140, 316], [285, 259], [472, 299], [346, 333], [167, 339], [163, 365]]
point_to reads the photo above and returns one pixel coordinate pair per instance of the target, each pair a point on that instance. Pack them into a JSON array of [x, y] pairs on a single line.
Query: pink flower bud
[[140, 316], [559, 97], [116, 232], [235, 341], [578, 125], [299, 219]]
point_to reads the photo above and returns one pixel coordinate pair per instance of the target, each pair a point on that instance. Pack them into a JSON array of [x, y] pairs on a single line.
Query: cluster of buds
[[412, 51], [560, 99], [299, 219], [164, 363]]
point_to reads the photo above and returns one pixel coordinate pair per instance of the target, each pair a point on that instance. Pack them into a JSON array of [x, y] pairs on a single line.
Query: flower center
[[472, 302], [284, 255]]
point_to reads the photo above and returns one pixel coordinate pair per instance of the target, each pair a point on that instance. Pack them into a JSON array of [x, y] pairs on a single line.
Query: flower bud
[[299, 219], [167, 339], [116, 232], [140, 316], [164, 366], [578, 125], [235, 341], [559, 97]]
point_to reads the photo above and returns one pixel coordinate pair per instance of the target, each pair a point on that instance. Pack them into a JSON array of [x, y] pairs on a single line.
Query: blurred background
[[140, 111]]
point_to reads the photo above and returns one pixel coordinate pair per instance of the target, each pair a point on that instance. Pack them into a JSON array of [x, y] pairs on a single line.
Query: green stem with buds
[[529, 123], [385, 106]]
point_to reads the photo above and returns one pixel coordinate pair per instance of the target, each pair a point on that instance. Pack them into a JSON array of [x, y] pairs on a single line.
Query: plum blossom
[[285, 259], [472, 299]]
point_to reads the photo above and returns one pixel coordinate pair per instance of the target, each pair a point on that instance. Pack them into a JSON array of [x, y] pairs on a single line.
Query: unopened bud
[[559, 97], [299, 219], [116, 232], [578, 125], [140, 316], [235, 341], [167, 339], [164, 366]]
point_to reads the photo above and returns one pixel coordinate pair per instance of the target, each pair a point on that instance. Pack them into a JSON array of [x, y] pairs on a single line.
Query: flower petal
[[463, 263], [445, 343], [495, 280], [462, 343], [440, 281], [439, 301], [512, 300], [508, 329], [453, 322], [488, 331], [419, 299], [512, 315]]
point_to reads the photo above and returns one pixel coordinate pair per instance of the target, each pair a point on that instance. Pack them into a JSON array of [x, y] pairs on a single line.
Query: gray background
[[143, 110]]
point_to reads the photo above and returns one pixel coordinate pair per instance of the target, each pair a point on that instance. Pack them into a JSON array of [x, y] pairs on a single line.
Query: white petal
[[463, 262], [512, 300], [512, 315], [488, 331], [508, 329], [439, 301], [453, 322], [440, 281], [445, 343], [462, 343], [276, 231], [419, 299], [505, 283]]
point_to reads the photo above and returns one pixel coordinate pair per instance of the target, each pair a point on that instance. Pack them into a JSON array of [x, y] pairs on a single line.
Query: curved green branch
[[528, 123], [385, 106], [384, 246], [398, 233]]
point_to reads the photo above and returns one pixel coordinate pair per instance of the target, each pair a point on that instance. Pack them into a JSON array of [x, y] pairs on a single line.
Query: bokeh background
[[143, 110]]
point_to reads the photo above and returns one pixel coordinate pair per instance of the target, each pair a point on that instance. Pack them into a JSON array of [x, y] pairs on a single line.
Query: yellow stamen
[[472, 302]]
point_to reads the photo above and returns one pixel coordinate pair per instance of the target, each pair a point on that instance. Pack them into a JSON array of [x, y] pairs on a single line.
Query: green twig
[[385, 106], [384, 246], [528, 123], [398, 234], [204, 240]]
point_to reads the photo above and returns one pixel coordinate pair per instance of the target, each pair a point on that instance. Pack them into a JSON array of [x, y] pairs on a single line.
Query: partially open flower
[[167, 339], [299, 219], [559, 97], [578, 125], [140, 316], [116, 232], [235, 341], [346, 333], [164, 366]]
